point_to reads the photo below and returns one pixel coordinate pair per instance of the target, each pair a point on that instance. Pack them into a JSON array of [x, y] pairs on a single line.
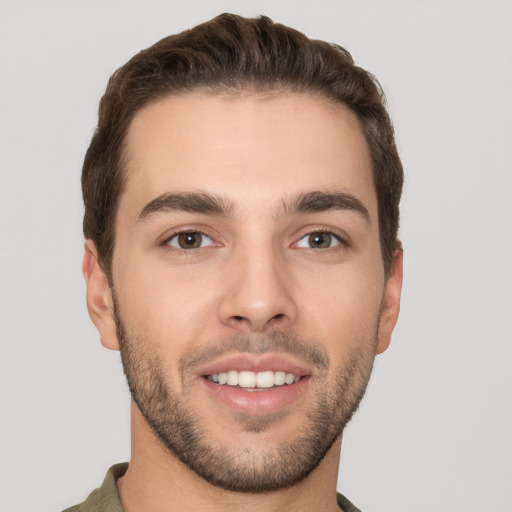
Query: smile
[[253, 381], [255, 384]]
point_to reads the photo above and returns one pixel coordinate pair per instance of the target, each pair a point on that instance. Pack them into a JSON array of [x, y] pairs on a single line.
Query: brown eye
[[190, 240], [319, 240]]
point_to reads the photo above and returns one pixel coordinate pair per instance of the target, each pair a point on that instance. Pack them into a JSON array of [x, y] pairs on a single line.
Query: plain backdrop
[[435, 429]]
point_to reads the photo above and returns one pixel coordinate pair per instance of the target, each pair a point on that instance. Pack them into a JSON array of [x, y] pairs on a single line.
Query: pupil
[[320, 240], [189, 240]]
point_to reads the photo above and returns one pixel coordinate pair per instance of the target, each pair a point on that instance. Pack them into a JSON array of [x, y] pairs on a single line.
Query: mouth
[[255, 385], [252, 381]]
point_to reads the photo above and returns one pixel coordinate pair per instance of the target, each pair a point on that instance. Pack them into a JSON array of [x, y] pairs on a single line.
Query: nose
[[258, 292]]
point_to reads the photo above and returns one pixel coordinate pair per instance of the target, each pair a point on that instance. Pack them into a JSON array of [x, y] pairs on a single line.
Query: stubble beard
[[239, 468]]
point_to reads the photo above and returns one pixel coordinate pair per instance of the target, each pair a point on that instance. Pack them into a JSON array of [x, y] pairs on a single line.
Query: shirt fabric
[[106, 499]]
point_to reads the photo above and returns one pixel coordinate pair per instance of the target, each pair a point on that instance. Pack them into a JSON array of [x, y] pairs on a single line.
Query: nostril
[[279, 316], [257, 323]]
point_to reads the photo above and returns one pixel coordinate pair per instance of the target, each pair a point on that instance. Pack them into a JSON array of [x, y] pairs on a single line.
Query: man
[[241, 213]]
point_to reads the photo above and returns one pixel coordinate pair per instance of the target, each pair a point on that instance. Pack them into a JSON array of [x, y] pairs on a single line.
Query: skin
[[256, 272]]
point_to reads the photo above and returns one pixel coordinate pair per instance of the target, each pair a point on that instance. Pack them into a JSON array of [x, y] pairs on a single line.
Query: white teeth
[[280, 378], [289, 378], [252, 380], [265, 379], [232, 378], [247, 380]]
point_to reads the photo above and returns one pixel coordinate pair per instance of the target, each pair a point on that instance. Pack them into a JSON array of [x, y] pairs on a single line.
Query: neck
[[156, 481]]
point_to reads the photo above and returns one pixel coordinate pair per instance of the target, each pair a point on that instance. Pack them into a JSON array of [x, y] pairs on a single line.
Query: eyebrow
[[194, 202], [202, 202], [320, 201]]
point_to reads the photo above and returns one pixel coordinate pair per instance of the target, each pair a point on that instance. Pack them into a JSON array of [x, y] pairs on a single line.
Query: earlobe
[[99, 297], [390, 303]]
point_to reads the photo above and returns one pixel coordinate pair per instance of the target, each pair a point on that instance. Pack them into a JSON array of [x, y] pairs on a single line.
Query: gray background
[[435, 430]]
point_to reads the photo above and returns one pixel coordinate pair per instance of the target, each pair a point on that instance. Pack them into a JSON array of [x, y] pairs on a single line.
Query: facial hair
[[239, 468]]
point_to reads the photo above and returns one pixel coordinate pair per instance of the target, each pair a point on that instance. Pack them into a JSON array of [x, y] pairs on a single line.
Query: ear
[[99, 297], [391, 302]]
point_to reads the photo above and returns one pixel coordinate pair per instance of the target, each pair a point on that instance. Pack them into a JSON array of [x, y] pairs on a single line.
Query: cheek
[[161, 320], [167, 308], [342, 310]]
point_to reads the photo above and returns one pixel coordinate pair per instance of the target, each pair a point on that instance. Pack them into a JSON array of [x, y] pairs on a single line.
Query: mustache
[[274, 341]]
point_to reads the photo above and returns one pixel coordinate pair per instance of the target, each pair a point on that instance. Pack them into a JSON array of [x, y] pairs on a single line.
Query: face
[[250, 298]]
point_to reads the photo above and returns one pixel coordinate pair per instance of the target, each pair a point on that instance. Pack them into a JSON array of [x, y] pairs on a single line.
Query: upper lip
[[254, 363]]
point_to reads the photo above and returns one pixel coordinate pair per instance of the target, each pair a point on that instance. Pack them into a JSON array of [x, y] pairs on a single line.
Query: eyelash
[[341, 241], [166, 243]]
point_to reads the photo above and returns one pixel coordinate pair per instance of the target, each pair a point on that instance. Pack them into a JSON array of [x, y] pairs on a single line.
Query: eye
[[319, 240], [190, 240]]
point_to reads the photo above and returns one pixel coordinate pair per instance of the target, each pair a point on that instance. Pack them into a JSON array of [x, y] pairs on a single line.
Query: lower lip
[[257, 402]]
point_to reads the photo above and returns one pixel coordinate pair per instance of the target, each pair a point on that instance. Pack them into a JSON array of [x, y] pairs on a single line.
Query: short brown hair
[[232, 53]]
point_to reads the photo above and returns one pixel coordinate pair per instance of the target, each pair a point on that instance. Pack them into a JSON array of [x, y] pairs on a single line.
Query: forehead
[[250, 147]]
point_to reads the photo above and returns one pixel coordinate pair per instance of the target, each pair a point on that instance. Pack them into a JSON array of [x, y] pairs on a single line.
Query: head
[[241, 219], [231, 54]]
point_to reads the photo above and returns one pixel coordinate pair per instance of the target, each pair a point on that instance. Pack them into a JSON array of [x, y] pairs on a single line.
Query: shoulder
[[345, 504], [92, 503], [105, 498]]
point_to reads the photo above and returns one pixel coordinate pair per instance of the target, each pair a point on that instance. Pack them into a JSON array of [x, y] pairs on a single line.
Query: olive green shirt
[[106, 499]]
